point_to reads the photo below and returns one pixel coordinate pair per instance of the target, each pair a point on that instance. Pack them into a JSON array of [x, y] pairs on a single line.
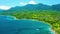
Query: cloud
[[32, 2], [5, 7], [23, 3]]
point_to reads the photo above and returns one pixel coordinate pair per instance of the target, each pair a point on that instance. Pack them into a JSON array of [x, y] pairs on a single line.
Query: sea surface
[[10, 25]]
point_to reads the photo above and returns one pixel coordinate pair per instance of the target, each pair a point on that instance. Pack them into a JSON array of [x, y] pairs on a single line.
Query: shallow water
[[13, 26]]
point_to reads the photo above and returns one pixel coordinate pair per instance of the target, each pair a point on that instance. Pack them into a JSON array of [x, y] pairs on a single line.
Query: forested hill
[[35, 7], [41, 12]]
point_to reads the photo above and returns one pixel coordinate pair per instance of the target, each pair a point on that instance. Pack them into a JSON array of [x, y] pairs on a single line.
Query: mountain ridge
[[35, 7]]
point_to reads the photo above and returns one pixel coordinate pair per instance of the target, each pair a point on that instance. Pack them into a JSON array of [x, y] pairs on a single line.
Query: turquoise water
[[13, 26]]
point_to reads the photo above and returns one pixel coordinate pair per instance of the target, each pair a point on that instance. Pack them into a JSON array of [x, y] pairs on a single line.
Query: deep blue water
[[9, 25]]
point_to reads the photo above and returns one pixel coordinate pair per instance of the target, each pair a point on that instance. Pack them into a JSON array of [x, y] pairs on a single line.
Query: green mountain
[[31, 7], [56, 7], [37, 7], [40, 12]]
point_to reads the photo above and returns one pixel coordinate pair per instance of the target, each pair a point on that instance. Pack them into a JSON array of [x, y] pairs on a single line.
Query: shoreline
[[53, 30]]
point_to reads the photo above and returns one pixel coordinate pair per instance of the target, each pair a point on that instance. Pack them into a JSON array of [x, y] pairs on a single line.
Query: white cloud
[[23, 3], [5, 7], [32, 2]]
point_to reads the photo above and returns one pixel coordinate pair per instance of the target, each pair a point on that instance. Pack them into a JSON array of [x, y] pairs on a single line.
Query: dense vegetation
[[41, 12], [48, 16]]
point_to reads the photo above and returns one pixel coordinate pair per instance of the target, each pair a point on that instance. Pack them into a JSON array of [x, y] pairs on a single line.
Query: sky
[[6, 4]]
